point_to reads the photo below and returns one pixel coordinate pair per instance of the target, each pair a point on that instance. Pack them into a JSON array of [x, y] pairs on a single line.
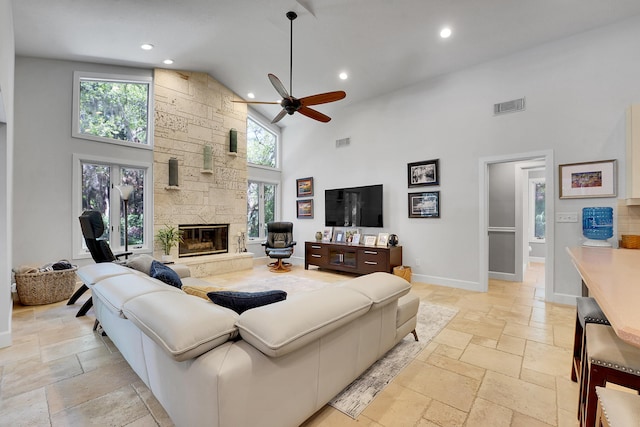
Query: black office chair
[[92, 230], [279, 245]]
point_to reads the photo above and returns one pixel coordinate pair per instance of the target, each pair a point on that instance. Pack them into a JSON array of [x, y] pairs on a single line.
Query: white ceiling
[[383, 44]]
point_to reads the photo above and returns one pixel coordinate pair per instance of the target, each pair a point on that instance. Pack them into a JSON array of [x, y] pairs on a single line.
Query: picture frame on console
[[424, 205], [383, 239], [305, 208], [339, 235], [588, 180], [423, 173], [355, 239], [370, 240], [327, 234], [304, 187]]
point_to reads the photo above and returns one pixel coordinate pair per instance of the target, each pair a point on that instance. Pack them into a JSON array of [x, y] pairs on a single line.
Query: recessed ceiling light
[[251, 95], [343, 76], [146, 46], [445, 33], [168, 61]]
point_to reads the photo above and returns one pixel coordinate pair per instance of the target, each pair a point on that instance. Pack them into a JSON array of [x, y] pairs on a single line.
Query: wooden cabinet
[[356, 259]]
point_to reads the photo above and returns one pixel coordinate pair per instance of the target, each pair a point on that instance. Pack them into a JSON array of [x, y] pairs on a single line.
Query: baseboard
[[508, 277], [563, 299], [537, 259], [443, 281], [5, 339]]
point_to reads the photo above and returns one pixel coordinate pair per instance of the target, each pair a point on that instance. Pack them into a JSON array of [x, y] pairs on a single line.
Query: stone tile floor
[[504, 360]]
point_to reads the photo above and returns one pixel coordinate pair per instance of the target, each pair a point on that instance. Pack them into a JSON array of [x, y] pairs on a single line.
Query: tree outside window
[[111, 108], [262, 145], [97, 184]]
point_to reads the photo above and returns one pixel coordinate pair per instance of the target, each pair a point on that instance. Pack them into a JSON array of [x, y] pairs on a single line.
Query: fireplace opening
[[203, 239]]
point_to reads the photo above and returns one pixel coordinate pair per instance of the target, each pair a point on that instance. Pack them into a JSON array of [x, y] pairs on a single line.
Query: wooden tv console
[[358, 259]]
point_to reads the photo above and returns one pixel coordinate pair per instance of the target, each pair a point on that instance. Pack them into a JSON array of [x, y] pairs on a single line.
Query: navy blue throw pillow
[[167, 275], [243, 301]]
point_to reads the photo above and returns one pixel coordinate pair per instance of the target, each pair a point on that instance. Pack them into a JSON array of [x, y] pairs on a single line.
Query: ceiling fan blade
[[279, 117], [316, 115], [277, 84], [323, 98], [256, 102]]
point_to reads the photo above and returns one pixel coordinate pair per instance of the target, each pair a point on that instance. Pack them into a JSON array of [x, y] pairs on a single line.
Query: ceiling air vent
[[343, 142], [508, 107]]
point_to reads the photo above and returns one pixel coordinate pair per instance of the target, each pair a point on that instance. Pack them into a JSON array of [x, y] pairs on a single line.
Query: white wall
[[576, 89], [7, 54], [42, 210]]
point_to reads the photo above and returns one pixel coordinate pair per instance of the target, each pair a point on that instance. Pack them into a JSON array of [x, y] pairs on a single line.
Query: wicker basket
[[403, 271], [630, 241], [45, 287]]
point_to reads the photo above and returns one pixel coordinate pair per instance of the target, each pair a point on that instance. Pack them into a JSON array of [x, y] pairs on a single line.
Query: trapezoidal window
[[113, 108]]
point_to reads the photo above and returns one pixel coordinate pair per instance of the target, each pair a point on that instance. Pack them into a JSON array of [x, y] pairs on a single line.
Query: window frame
[[266, 175], [532, 209], [79, 252], [78, 76], [262, 225], [273, 129]]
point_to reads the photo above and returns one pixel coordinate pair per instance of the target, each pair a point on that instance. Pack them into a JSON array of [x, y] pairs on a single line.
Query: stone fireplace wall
[[192, 110]]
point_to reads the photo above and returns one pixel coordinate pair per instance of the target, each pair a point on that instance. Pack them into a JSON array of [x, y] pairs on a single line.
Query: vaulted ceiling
[[383, 45]]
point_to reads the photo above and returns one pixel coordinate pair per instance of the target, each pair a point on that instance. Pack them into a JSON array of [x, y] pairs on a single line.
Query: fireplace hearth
[[203, 239]]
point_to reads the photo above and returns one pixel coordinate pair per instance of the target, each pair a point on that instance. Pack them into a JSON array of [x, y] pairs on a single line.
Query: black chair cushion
[[590, 312]]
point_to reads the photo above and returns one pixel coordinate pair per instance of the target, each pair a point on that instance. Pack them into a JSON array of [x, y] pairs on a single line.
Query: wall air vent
[[508, 107], [343, 142]]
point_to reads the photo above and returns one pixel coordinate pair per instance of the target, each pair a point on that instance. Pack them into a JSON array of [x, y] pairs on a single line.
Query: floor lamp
[[125, 192]]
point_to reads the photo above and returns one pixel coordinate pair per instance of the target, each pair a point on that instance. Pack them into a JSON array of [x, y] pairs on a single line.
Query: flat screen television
[[353, 207]]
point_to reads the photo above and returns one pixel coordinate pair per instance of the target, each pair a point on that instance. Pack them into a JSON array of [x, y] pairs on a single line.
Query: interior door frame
[[483, 213]]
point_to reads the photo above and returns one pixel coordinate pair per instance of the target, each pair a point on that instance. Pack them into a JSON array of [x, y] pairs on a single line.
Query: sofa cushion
[[115, 291], [199, 291], [243, 301], [93, 273], [165, 274], [382, 288], [184, 327], [141, 263], [278, 329]]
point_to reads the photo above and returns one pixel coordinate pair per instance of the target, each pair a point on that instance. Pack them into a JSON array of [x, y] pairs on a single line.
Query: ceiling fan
[[290, 104]]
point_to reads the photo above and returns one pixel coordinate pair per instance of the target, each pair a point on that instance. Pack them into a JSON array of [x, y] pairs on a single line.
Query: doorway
[[517, 231]]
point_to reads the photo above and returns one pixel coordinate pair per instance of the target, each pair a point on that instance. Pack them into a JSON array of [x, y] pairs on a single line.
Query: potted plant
[[169, 236]]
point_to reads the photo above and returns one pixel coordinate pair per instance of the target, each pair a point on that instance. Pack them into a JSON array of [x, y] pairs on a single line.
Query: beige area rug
[[432, 318]]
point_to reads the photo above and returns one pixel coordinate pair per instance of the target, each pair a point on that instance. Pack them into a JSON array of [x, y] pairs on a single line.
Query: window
[[94, 189], [262, 145], [263, 189], [114, 109], [537, 220], [261, 203]]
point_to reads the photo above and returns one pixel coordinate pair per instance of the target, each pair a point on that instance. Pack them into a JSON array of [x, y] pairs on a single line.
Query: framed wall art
[[423, 173], [586, 180], [424, 205], [305, 208], [304, 187]]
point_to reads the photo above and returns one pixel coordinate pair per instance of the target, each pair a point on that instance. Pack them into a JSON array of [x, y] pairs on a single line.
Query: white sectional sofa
[[270, 366]]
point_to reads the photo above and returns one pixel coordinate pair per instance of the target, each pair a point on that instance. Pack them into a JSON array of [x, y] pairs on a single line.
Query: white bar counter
[[613, 279]]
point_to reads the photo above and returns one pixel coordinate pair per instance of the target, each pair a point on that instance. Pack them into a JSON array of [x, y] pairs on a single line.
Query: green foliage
[[261, 145], [114, 110], [168, 237]]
